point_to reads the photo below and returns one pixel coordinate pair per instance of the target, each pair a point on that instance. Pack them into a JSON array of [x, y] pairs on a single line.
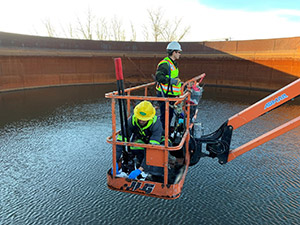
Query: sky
[[209, 20]]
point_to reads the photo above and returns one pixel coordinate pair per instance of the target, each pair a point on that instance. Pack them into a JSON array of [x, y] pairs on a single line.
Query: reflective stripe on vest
[[141, 131], [136, 147], [174, 72], [176, 90]]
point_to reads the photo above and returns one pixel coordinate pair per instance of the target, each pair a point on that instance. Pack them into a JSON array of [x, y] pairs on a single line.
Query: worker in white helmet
[[167, 76]]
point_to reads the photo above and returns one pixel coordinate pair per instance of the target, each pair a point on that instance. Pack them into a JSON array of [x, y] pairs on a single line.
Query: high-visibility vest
[[142, 133], [174, 72]]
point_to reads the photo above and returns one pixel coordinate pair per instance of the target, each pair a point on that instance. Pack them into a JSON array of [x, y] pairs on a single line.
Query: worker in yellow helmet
[[167, 77], [143, 127]]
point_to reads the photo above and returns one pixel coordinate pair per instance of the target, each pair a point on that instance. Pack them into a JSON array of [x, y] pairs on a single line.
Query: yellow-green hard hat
[[144, 111]]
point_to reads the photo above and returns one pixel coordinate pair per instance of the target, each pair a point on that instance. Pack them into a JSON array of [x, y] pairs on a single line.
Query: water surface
[[54, 156]]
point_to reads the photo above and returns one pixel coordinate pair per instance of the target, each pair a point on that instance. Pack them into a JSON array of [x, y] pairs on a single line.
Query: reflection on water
[[53, 159]]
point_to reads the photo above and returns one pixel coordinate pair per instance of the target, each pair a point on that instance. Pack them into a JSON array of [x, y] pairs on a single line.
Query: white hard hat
[[174, 46]]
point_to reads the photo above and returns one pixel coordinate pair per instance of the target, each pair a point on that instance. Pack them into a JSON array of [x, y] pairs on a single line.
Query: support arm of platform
[[218, 142]]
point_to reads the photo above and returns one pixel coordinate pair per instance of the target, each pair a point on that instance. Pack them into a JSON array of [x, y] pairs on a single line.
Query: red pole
[[119, 69]]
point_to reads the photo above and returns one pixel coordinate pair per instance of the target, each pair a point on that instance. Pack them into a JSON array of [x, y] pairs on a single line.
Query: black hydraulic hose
[[161, 88], [122, 122], [125, 111]]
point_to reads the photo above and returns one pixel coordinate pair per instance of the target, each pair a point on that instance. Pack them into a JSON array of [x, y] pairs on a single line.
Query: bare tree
[[146, 33], [117, 30], [133, 32], [156, 18], [171, 31], [185, 31], [49, 27], [102, 30], [69, 32], [86, 28], [166, 30]]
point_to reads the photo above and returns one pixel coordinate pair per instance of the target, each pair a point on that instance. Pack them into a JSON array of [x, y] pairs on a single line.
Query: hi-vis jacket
[[149, 134], [173, 73]]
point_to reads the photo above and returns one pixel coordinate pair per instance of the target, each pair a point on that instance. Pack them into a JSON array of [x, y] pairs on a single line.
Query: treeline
[[157, 28]]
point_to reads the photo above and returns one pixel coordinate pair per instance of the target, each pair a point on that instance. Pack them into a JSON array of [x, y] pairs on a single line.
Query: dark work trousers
[[139, 154], [141, 161], [162, 108]]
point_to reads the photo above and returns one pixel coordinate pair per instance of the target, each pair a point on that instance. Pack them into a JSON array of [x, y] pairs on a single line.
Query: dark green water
[[54, 156]]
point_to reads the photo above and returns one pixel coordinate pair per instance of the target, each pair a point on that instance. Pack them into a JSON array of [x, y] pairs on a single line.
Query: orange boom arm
[[218, 143], [265, 105]]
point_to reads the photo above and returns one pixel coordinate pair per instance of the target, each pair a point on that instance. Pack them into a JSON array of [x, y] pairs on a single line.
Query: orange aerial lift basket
[[187, 140], [156, 155]]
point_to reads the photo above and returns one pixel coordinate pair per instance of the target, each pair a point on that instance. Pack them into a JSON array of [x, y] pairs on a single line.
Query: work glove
[[134, 174], [117, 168], [175, 81]]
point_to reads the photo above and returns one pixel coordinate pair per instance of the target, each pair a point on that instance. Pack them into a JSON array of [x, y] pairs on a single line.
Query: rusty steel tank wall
[[31, 61]]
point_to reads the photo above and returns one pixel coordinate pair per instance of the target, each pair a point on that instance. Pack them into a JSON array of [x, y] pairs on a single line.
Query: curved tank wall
[[31, 61]]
